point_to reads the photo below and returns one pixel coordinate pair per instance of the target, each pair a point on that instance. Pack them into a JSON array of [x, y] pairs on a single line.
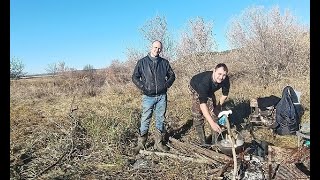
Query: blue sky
[[81, 32]]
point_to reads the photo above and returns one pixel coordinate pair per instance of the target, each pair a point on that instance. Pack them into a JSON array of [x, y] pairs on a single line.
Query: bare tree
[[89, 72], [133, 55], [59, 68], [88, 67], [272, 44], [16, 68], [52, 69], [156, 29], [195, 46]]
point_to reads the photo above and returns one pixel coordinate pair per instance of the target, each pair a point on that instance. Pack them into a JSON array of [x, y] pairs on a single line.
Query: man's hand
[[215, 127]]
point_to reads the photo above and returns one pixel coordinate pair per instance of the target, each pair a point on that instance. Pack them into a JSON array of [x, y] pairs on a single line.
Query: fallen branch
[[269, 163], [183, 158], [74, 136], [54, 164], [205, 158], [222, 158]]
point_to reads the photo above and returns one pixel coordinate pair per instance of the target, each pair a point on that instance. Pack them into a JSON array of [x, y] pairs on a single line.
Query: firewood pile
[[289, 163], [279, 163]]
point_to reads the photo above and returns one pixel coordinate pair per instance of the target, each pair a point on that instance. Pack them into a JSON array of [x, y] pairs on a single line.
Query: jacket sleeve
[[171, 77], [136, 76]]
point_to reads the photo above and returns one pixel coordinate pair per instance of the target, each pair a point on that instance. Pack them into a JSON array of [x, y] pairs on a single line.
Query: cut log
[[222, 158]]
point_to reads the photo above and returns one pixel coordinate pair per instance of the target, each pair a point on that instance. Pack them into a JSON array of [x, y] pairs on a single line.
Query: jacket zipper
[[155, 75]]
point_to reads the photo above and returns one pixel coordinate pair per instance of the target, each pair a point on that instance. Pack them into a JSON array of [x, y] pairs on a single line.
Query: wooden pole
[[234, 155]]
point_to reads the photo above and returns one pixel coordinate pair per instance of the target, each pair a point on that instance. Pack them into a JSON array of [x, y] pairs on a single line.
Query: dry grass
[[95, 140]]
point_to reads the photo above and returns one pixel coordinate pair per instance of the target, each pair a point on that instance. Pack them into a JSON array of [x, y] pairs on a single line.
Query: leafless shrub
[[86, 82], [156, 29], [72, 81], [272, 45], [52, 69], [91, 80], [133, 55], [118, 73], [194, 50], [56, 68], [16, 68]]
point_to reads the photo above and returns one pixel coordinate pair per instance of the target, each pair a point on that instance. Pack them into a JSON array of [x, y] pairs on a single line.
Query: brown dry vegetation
[[97, 137], [84, 126]]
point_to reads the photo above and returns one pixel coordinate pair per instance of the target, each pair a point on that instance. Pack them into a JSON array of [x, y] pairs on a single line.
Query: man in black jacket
[[153, 75], [202, 87]]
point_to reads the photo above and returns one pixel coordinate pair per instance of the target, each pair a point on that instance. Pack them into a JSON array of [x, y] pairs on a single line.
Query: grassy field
[[60, 131]]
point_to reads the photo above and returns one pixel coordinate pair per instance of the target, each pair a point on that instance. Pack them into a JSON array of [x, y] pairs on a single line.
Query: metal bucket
[[225, 146]]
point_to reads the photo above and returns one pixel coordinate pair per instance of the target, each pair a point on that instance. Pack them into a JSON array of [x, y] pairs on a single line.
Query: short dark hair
[[224, 66], [157, 41]]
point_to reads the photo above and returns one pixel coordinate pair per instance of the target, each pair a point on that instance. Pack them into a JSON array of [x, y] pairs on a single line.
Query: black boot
[[214, 136], [159, 142], [202, 136], [141, 143]]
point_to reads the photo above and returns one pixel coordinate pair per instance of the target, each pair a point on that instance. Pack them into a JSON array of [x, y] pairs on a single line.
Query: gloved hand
[[222, 117], [224, 113], [222, 120]]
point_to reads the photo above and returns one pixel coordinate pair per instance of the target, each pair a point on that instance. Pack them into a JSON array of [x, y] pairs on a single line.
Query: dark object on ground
[[288, 113]]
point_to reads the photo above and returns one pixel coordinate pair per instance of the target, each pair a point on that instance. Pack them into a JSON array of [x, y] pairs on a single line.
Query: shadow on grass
[[179, 132], [240, 111]]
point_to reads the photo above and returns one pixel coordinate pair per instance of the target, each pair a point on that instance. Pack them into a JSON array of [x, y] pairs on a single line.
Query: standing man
[[202, 87], [153, 75]]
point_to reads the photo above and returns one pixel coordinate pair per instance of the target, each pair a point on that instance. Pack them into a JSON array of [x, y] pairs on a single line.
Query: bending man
[[204, 106]]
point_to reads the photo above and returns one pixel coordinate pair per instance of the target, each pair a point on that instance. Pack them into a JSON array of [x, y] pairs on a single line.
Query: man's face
[[219, 75], [155, 49]]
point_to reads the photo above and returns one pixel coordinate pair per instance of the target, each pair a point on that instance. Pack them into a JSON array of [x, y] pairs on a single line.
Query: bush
[[16, 68], [272, 45]]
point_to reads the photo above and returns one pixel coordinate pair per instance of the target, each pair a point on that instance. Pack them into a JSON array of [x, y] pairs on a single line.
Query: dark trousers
[[197, 115], [195, 109]]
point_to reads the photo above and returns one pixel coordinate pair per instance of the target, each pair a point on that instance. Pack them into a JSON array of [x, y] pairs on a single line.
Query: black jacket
[[288, 113], [153, 77]]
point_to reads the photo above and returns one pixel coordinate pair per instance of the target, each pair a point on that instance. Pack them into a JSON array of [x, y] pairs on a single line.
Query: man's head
[[220, 72], [156, 48]]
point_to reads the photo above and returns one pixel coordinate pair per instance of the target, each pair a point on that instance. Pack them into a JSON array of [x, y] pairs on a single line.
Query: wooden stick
[[222, 158], [52, 165], [269, 163], [184, 158], [234, 155]]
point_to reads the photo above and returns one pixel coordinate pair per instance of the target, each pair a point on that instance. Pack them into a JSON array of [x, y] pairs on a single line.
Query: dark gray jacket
[[153, 77]]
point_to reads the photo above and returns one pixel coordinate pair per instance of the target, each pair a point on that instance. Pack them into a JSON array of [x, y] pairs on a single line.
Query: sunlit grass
[[40, 123]]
